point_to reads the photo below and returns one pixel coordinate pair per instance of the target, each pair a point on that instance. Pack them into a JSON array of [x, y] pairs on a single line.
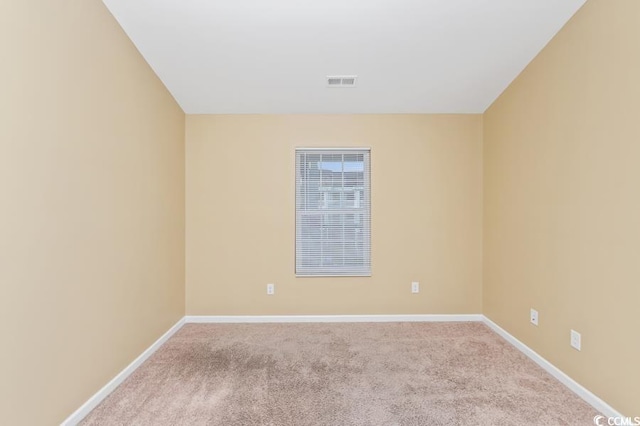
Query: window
[[333, 212]]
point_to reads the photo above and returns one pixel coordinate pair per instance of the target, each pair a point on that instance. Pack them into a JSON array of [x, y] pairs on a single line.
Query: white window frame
[[359, 211]]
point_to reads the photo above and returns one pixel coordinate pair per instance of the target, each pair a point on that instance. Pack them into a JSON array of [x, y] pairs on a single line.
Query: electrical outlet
[[271, 289], [576, 340], [415, 287], [534, 317]]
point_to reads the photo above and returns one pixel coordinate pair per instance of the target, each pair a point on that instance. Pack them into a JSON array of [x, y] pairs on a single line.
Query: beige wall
[[91, 206], [562, 202], [426, 214]]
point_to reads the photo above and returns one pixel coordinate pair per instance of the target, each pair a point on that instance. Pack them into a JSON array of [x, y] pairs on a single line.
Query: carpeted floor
[[340, 374]]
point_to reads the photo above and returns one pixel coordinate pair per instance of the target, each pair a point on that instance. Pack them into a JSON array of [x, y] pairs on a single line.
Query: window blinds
[[333, 212]]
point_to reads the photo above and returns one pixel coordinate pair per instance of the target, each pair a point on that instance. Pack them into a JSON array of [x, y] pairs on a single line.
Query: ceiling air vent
[[341, 81]]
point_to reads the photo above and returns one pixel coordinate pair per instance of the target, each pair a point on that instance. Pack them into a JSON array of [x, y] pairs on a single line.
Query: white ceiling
[[272, 56]]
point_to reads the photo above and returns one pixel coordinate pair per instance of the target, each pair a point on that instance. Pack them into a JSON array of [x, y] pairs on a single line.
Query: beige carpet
[[340, 374]]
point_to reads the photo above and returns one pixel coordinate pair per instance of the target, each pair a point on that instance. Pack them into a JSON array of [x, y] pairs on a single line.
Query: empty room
[[340, 212]]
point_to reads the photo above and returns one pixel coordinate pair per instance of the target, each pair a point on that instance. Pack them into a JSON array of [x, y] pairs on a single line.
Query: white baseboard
[[574, 386], [236, 319], [93, 402]]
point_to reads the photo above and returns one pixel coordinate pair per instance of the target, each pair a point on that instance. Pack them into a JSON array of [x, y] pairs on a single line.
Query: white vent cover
[[341, 80]]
